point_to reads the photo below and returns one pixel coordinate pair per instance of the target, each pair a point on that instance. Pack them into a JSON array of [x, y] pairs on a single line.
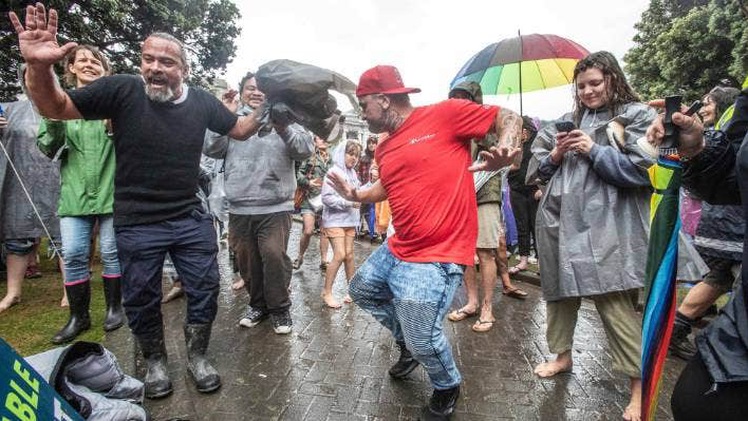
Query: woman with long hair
[[340, 218], [592, 233], [86, 154]]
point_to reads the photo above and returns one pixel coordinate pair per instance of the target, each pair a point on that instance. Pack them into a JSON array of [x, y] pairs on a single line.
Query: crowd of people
[[579, 189]]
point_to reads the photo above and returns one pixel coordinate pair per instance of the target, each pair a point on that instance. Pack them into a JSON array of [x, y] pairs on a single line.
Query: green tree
[[693, 57], [687, 47], [641, 63], [207, 27]]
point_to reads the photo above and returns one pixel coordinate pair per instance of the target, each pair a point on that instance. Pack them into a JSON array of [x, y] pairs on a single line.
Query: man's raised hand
[[38, 40], [344, 189], [496, 158]]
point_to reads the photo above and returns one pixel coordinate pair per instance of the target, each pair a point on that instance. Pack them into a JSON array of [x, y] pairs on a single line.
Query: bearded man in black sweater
[[158, 123]]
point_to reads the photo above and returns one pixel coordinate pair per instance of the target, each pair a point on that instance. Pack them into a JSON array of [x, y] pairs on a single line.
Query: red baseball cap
[[382, 80]]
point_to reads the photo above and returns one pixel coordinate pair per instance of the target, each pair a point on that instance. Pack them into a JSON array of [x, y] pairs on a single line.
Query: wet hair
[[353, 146], [722, 97], [618, 89], [180, 44], [246, 77], [528, 124], [69, 77]]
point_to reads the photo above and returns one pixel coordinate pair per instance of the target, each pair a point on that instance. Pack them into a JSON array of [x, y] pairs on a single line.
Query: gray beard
[[159, 95]]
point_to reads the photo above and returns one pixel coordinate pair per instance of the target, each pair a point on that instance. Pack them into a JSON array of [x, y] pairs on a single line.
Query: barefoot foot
[[238, 283], [330, 301], [552, 368], [8, 302], [347, 299], [633, 412]]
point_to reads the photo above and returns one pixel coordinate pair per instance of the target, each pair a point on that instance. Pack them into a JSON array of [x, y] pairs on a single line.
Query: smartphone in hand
[[565, 126]]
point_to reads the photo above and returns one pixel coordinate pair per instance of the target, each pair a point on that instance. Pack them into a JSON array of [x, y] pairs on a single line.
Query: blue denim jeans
[[411, 300], [76, 234]]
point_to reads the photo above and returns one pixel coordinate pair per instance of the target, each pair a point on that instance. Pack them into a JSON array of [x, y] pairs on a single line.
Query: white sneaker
[[282, 323]]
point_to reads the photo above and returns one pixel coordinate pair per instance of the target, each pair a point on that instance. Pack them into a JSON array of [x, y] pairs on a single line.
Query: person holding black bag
[[260, 182]]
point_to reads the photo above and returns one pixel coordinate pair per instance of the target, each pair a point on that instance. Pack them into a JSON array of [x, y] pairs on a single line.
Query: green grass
[[29, 325]]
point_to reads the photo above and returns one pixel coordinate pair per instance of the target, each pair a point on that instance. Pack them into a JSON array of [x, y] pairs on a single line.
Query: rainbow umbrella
[[660, 277], [525, 63]]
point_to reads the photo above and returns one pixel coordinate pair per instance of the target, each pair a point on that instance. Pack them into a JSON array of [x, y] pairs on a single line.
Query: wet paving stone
[[334, 364]]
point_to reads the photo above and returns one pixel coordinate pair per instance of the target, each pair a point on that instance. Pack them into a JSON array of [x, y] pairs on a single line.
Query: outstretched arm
[[375, 193], [39, 48]]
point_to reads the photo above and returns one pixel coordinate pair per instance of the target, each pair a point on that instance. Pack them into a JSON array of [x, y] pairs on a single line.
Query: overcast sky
[[428, 41]]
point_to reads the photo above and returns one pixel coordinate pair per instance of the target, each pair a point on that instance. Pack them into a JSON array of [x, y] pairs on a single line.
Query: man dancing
[[408, 283]]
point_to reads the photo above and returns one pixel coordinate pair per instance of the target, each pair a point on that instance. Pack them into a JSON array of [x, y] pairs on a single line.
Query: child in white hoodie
[[340, 218]]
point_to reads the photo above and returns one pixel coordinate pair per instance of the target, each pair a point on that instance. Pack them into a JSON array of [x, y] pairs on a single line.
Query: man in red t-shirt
[[408, 283]]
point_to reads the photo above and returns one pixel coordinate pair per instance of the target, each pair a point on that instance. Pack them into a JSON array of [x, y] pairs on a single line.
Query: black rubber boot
[[79, 298], [115, 314], [405, 364], [157, 382], [680, 345], [442, 404], [197, 337]]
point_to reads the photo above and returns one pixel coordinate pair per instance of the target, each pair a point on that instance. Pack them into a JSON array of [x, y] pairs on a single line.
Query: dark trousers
[[690, 400], [524, 207], [191, 242], [260, 243], [369, 215]]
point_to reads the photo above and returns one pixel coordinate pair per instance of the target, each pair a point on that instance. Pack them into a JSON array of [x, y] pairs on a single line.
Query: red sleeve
[[470, 120]]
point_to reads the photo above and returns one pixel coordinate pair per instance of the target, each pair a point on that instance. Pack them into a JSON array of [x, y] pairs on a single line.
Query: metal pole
[[519, 36]]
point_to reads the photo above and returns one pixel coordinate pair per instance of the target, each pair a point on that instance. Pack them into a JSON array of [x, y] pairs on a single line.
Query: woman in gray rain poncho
[[592, 222], [19, 225]]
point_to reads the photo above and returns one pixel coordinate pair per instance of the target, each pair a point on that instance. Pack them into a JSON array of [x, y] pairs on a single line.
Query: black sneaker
[[405, 364], [252, 317], [282, 322], [441, 405]]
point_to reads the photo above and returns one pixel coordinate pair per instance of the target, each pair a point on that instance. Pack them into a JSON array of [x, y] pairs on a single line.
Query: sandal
[[515, 292], [482, 326], [461, 314]]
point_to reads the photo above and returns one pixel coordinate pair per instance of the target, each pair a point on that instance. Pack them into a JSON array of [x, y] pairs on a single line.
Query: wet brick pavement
[[334, 364]]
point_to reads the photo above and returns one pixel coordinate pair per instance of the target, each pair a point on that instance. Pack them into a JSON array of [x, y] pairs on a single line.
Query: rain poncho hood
[[337, 211], [338, 161]]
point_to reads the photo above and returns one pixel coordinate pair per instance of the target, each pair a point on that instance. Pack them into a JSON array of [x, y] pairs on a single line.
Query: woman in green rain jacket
[[86, 154]]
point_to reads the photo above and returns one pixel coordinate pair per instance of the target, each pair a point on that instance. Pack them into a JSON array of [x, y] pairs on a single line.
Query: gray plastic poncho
[[40, 175], [593, 220]]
